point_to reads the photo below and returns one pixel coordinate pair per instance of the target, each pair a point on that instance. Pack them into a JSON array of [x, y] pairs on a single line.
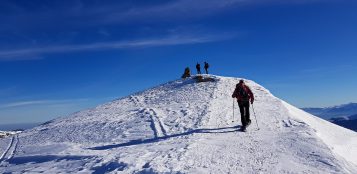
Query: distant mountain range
[[17, 126], [344, 115], [353, 117]]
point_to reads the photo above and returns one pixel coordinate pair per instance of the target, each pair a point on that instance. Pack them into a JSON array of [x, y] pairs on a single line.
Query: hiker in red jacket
[[243, 95]]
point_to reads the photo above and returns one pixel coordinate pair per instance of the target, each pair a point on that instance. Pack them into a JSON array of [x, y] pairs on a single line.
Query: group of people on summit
[[187, 72], [198, 68]]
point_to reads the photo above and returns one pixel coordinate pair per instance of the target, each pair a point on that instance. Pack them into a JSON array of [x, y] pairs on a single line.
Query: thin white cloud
[[176, 9], [28, 53], [89, 14], [78, 15], [39, 102], [179, 9], [104, 32]]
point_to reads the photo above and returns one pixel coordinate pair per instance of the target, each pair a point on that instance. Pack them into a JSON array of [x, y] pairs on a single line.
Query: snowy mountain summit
[[184, 127]]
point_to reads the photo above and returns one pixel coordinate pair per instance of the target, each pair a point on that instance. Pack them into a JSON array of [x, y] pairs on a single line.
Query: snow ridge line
[[8, 148]]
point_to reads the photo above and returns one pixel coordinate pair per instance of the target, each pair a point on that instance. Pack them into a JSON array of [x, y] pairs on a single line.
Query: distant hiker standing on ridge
[[206, 67], [243, 95], [198, 67]]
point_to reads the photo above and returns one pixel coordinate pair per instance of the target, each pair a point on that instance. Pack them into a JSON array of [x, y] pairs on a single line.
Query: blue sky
[[57, 57]]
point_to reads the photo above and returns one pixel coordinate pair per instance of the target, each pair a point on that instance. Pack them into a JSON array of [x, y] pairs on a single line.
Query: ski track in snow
[[178, 127], [7, 149], [156, 124], [11, 149]]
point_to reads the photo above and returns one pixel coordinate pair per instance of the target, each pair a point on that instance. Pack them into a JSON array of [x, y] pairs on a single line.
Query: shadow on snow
[[104, 168], [157, 139], [45, 158], [109, 167]]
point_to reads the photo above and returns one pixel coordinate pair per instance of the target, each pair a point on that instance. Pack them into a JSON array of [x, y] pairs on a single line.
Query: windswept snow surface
[[184, 127]]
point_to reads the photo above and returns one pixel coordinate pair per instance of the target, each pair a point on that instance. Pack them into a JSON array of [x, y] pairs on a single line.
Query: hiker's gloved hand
[[251, 101]]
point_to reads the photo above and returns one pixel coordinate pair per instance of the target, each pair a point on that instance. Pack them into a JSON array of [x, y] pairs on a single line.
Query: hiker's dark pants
[[206, 70], [198, 71], [244, 112]]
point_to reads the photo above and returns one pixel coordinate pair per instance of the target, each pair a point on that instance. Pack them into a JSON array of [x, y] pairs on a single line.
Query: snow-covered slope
[[184, 127]]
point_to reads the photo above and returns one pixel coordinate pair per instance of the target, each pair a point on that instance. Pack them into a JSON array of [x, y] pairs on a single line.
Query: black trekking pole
[[255, 116], [233, 111]]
